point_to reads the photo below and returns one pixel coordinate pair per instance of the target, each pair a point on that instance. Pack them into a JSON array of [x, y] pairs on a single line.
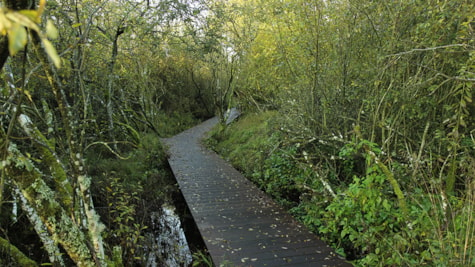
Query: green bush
[[280, 177], [380, 214], [253, 145]]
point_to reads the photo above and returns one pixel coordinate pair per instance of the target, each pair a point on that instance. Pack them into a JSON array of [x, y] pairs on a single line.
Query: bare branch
[[427, 49]]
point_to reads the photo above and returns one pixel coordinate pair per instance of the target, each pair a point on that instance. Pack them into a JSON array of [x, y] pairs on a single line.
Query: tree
[[50, 184]]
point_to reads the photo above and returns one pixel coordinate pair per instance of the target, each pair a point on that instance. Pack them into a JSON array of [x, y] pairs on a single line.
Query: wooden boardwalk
[[240, 225]]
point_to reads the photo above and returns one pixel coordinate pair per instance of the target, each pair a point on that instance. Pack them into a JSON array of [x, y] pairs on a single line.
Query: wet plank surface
[[240, 225]]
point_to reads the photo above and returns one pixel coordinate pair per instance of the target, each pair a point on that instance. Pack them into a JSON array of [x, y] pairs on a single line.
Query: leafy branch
[[14, 25]]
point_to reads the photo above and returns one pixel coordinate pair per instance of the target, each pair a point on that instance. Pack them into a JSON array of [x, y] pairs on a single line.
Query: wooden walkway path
[[240, 225]]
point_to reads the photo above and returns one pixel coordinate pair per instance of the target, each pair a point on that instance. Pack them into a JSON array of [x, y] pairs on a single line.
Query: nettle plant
[[376, 225], [369, 218]]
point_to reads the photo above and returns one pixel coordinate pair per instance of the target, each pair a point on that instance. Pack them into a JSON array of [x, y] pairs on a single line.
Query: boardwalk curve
[[240, 225]]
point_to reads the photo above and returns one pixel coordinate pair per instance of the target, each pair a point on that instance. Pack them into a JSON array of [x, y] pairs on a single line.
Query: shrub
[[121, 187]]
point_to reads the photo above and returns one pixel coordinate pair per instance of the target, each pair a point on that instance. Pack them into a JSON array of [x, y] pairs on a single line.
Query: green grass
[[247, 142]]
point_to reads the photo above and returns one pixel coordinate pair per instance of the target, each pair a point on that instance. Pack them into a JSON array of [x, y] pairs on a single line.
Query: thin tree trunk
[[84, 207], [110, 85]]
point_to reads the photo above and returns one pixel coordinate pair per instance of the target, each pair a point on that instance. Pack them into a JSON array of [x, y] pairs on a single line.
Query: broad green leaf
[[51, 51], [17, 38], [76, 25], [51, 30]]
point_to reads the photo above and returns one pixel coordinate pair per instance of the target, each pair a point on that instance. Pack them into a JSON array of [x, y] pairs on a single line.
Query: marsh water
[[169, 244]]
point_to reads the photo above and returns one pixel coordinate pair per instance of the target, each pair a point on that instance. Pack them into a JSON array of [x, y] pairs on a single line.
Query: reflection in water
[[169, 246]]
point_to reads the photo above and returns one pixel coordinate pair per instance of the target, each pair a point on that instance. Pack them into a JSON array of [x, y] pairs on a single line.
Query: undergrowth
[[174, 122], [375, 213], [126, 191]]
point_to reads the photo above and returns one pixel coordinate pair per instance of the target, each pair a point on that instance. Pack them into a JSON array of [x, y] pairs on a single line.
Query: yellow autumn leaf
[[51, 51], [41, 9], [16, 17], [31, 14], [28, 95], [21, 19]]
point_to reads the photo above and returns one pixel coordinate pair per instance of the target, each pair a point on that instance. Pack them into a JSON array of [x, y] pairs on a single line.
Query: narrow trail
[[240, 225]]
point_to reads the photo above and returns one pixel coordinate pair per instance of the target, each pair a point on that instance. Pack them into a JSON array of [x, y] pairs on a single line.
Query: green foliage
[[124, 227], [366, 220], [91, 110], [130, 189], [15, 24], [145, 165], [363, 214], [402, 71], [253, 145], [174, 123], [280, 177], [369, 227], [148, 158]]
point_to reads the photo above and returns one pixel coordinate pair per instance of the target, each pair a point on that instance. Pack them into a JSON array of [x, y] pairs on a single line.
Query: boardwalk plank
[[240, 225]]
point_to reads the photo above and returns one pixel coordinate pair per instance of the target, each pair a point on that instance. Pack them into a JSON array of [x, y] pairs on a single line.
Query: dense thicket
[[371, 139]]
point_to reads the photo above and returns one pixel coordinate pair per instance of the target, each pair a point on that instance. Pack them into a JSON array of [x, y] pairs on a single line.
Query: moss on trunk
[[15, 254]]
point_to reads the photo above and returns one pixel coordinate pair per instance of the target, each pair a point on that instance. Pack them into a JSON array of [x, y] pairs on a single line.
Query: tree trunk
[[41, 199]]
